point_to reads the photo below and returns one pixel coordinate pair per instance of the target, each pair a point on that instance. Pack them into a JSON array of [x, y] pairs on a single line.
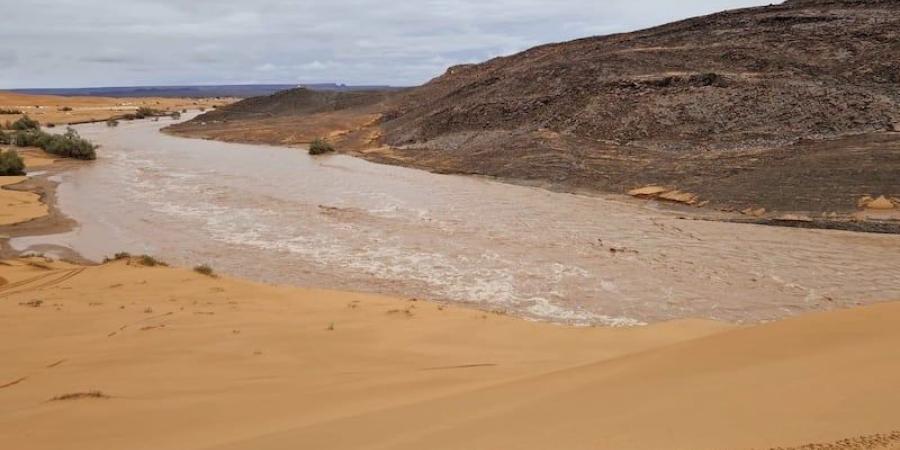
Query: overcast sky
[[79, 43]]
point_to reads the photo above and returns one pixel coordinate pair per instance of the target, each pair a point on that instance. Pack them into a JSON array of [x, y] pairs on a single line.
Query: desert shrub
[[117, 257], [144, 112], [10, 111], [65, 108], [204, 269], [5, 138], [11, 163], [26, 123], [50, 125], [70, 144], [320, 146], [175, 115], [149, 261], [112, 123]]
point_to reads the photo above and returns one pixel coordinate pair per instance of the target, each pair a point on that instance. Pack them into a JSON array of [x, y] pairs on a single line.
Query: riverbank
[[28, 205], [824, 182]]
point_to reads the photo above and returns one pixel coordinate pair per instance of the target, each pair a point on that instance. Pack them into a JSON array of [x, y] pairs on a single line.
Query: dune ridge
[[169, 358]]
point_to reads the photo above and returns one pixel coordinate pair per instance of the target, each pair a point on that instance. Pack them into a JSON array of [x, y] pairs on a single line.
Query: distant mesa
[[238, 91]]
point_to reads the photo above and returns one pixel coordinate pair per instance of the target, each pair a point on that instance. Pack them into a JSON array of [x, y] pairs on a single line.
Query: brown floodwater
[[278, 215]]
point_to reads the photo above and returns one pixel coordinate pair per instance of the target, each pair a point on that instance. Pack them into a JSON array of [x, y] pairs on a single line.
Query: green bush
[[149, 261], [11, 163], [26, 123], [70, 144], [5, 138], [320, 146]]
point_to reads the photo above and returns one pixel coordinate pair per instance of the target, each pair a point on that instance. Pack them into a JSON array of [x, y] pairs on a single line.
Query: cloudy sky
[[78, 43]]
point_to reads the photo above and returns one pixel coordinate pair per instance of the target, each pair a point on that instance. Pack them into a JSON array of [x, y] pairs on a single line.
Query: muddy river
[[278, 215]]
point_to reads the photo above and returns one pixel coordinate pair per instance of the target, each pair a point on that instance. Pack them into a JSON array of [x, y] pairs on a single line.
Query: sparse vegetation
[[112, 123], [175, 115], [320, 146], [25, 123], [69, 144], [117, 257], [65, 108], [204, 269], [11, 163], [144, 111], [10, 111], [149, 261]]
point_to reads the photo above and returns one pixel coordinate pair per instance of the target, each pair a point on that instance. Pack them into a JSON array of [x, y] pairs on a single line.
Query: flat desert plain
[[58, 110]]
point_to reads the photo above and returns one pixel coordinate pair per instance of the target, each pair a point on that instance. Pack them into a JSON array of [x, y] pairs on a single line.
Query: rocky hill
[[722, 106], [752, 78]]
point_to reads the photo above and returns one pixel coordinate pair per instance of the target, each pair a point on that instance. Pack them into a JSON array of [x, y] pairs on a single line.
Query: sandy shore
[[28, 204], [127, 356]]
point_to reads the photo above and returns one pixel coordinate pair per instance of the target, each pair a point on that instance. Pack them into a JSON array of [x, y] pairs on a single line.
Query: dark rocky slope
[[788, 107]]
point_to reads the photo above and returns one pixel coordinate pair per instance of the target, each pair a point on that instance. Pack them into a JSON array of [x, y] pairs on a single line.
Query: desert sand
[[18, 206], [131, 357], [126, 356], [48, 109]]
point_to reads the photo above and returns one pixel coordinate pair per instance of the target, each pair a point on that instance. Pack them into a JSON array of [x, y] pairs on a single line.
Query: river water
[[278, 215]]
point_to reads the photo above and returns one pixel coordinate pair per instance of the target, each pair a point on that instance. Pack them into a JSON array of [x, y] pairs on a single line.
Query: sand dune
[[161, 358]]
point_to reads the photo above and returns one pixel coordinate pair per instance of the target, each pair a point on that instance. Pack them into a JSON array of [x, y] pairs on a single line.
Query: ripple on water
[[278, 215]]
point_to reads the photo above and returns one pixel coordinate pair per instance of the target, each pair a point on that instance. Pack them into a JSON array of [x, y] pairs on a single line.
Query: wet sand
[[32, 207], [342, 223]]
